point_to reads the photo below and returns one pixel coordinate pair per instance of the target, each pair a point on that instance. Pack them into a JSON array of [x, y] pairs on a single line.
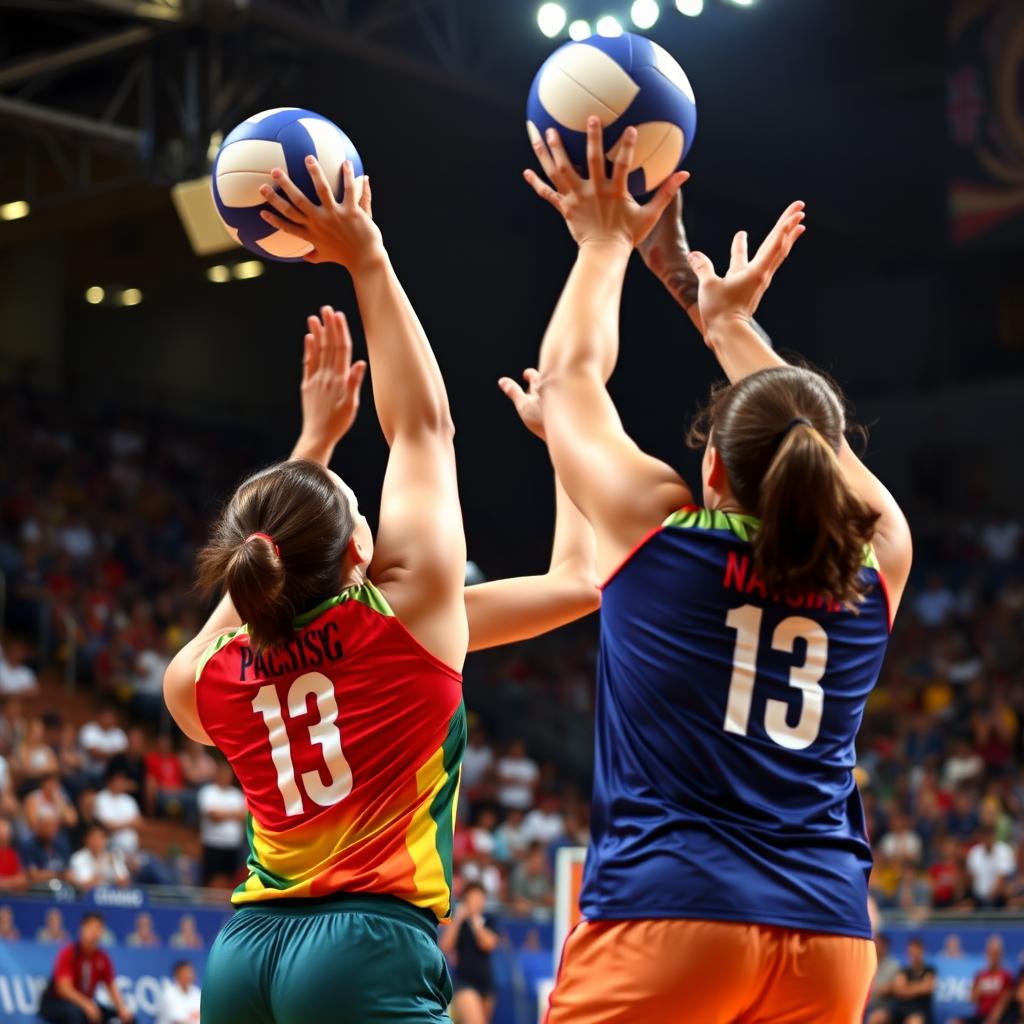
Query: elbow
[[582, 586]]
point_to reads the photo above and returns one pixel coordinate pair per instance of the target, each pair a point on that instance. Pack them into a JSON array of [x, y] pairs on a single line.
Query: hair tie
[[267, 538], [796, 421]]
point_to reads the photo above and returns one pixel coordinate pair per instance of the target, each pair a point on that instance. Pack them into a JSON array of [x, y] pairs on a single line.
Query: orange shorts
[[709, 972]]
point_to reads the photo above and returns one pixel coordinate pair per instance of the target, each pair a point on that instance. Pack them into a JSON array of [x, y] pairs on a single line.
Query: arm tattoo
[[682, 285]]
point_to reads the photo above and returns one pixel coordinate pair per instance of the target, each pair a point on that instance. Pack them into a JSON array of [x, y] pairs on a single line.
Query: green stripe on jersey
[[442, 807], [365, 593], [222, 641], [741, 525]]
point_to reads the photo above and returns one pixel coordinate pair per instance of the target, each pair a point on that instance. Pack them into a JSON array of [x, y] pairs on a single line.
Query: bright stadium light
[[129, 297], [248, 270], [95, 295], [218, 274], [580, 30], [15, 211], [645, 13], [691, 8], [742, 3], [551, 19], [609, 26]]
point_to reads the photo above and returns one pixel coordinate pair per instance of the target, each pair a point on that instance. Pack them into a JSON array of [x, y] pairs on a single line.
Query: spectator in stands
[[545, 824], [222, 815], [131, 762], [50, 801], [79, 969], [179, 1000], [187, 936], [948, 876], [511, 835], [990, 867], [529, 886], [13, 877], [992, 989], [147, 679], [34, 759], [935, 603], [913, 991], [963, 765], [479, 758], [8, 801], [901, 843], [468, 941], [118, 812], [97, 863], [16, 675], [518, 775], [165, 789], [144, 935], [45, 853], [198, 765], [101, 740], [53, 931], [8, 931], [70, 759], [880, 996], [962, 820]]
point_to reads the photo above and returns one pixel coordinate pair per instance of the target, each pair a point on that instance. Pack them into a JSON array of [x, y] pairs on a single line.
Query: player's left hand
[[739, 292], [527, 403], [599, 208], [339, 232], [331, 382]]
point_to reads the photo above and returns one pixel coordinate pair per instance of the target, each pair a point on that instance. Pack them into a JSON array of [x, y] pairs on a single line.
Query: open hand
[[339, 232], [527, 403], [739, 292], [599, 208], [331, 382]]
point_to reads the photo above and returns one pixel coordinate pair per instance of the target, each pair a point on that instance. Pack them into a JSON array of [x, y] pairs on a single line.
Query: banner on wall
[[141, 976], [986, 122]]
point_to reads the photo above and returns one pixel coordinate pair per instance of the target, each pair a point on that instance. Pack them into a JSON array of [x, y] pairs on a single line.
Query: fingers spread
[[366, 199], [595, 149], [544, 190], [287, 226], [738, 257], [296, 197], [624, 159], [323, 190], [564, 176], [665, 195], [702, 266], [308, 358]]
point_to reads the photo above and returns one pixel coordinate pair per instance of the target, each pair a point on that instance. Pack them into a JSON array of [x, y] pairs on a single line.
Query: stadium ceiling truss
[[174, 72]]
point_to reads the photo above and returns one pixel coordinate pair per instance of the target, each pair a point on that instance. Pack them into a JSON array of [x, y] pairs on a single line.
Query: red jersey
[[348, 743], [10, 862], [165, 770], [84, 970], [989, 986]]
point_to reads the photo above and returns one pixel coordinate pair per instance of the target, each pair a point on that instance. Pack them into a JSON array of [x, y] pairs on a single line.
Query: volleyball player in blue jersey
[[727, 875]]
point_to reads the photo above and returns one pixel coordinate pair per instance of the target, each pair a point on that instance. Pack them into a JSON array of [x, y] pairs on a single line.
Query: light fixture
[[609, 26], [247, 270], [129, 297], [218, 274], [15, 210], [691, 8], [645, 13], [580, 30], [94, 295], [214, 145], [551, 19], [742, 3]]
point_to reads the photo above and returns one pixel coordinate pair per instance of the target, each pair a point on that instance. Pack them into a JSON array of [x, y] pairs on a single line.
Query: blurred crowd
[[99, 522]]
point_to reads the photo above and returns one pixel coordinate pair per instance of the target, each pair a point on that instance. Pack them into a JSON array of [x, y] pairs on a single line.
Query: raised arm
[[504, 611], [420, 548], [623, 492], [727, 307]]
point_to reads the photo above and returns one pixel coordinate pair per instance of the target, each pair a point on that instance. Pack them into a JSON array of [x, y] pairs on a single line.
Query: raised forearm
[[584, 330], [314, 449], [574, 548], [408, 389], [740, 349]]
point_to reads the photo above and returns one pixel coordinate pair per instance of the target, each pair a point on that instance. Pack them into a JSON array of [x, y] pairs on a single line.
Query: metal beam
[[274, 16], [40, 118], [74, 56]]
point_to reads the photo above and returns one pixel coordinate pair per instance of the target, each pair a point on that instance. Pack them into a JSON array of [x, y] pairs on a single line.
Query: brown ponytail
[[277, 548], [778, 433]]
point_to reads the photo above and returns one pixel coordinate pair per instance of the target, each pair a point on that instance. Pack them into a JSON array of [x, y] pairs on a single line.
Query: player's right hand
[[527, 403], [342, 232], [739, 292], [599, 208]]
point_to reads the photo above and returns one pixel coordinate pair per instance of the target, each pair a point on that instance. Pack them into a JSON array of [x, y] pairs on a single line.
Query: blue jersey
[[726, 720]]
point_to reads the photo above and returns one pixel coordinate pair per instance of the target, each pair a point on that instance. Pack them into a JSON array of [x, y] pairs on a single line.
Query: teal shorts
[[342, 960]]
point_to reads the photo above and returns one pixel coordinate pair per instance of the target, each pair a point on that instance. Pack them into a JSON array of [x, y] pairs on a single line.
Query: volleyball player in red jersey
[[338, 700], [726, 879]]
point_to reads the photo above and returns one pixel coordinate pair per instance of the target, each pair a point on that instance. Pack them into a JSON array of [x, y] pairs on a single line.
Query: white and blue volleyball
[[282, 137], [625, 80]]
